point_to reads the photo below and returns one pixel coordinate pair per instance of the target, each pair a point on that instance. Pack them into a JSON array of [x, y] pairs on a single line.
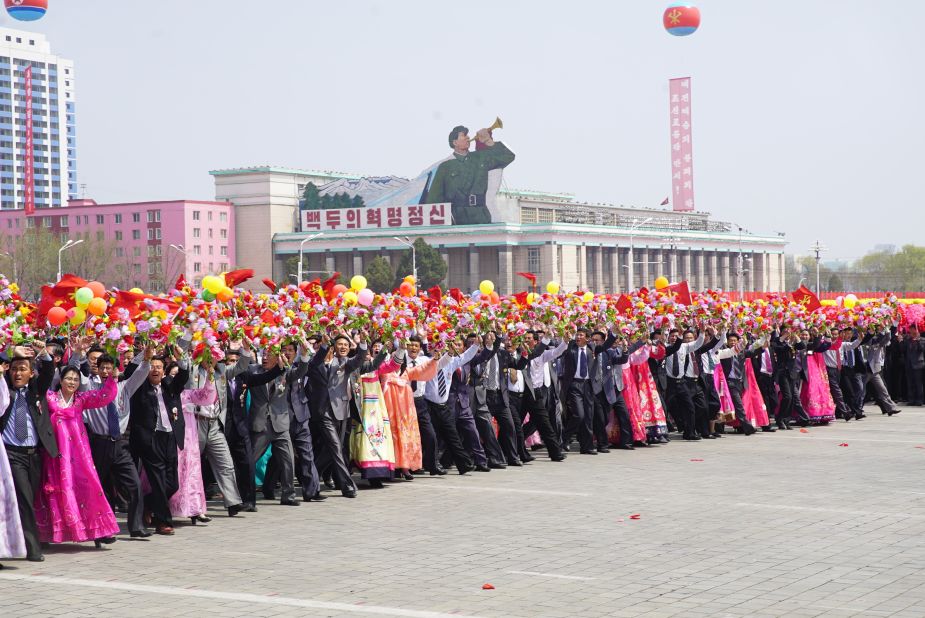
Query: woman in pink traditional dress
[[815, 395], [755, 410], [727, 410], [71, 505], [190, 498], [403, 417], [633, 403], [12, 543], [653, 414]]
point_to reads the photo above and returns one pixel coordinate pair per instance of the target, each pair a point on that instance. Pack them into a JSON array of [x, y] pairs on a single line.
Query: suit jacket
[[915, 353], [459, 389], [223, 375], [331, 384], [478, 386], [236, 395], [270, 401], [38, 406], [614, 359], [145, 409], [597, 371]]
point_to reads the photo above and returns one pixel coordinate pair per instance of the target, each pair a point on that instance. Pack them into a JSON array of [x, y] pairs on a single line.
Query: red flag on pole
[[529, 277], [329, 284], [61, 294], [237, 277], [624, 303], [805, 297], [681, 292]]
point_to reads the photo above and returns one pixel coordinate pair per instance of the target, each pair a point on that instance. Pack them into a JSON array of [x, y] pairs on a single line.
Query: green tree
[[431, 267], [327, 201], [835, 283], [379, 275], [357, 202], [311, 199]]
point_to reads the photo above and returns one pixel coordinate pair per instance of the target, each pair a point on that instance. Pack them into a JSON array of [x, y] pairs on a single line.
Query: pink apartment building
[[151, 242]]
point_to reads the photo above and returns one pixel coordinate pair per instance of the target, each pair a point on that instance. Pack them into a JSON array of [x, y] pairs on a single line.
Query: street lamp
[[635, 226], [818, 248], [414, 257], [67, 245], [301, 245]]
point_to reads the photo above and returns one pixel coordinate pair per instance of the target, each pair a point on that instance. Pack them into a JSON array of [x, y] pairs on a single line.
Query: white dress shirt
[[539, 366], [447, 365]]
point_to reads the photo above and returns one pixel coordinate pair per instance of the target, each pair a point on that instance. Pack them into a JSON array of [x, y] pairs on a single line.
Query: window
[[100, 219], [136, 234], [197, 267], [137, 268], [136, 217], [136, 251], [197, 249], [209, 215], [120, 252], [195, 232], [224, 250], [195, 215], [99, 236], [211, 249], [223, 217], [154, 216], [210, 232], [119, 218], [223, 233], [533, 259], [62, 220], [118, 234], [46, 221]]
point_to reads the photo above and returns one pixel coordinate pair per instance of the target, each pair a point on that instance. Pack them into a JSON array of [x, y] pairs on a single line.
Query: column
[[474, 278], [506, 269], [329, 264], [582, 267], [600, 285], [357, 263], [673, 265], [701, 267], [642, 278], [726, 268], [613, 260]]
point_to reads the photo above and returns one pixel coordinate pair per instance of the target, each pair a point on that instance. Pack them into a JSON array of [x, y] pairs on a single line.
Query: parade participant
[[12, 542], [487, 401], [810, 376], [876, 357], [437, 394], [371, 448], [538, 384], [914, 346], [684, 396]]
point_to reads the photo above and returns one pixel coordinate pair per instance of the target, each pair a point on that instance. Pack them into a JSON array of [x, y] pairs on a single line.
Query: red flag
[[681, 292], [805, 297], [456, 294], [664, 202], [237, 277], [181, 283], [521, 298], [270, 284], [329, 284], [132, 302], [61, 294], [435, 294], [529, 277], [624, 303]]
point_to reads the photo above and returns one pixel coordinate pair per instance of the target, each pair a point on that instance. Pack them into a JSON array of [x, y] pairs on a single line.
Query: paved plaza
[[785, 524]]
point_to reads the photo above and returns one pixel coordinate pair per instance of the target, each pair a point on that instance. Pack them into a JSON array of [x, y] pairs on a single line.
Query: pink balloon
[[365, 297]]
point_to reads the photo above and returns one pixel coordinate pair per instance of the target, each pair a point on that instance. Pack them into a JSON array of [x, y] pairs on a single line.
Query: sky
[[807, 114]]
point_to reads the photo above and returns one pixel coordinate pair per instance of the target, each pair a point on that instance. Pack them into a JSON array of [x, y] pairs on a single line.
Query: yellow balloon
[[79, 316], [213, 284], [849, 303], [661, 283], [136, 291], [552, 287], [350, 297], [531, 298], [588, 296], [410, 279], [486, 287], [358, 282]]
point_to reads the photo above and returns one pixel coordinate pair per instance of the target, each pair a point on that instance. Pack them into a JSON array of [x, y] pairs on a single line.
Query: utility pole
[[818, 248]]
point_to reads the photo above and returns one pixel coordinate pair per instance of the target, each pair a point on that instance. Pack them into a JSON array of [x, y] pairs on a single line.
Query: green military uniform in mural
[[463, 181]]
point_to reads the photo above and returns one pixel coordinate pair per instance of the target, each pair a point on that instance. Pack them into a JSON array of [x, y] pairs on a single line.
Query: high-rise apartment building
[[47, 107]]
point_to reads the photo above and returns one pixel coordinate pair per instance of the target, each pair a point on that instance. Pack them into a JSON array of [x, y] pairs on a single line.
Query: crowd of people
[[149, 433]]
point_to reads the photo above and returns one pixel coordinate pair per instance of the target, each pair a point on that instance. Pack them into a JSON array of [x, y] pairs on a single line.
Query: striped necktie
[[441, 384]]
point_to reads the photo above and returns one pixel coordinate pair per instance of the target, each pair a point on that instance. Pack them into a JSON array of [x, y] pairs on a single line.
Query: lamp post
[[67, 245], [631, 266], [301, 246], [414, 256], [818, 248]]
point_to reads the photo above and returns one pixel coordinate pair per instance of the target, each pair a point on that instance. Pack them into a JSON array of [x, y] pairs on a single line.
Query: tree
[[311, 199], [431, 267], [357, 202], [835, 284], [379, 275]]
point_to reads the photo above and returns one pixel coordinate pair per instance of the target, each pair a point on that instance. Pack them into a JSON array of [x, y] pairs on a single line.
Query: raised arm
[[203, 396], [265, 377], [98, 399]]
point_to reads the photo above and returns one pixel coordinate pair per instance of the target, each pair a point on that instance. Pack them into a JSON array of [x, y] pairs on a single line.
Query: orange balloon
[[97, 306], [340, 288], [99, 290], [406, 288], [493, 298], [225, 294], [57, 316]]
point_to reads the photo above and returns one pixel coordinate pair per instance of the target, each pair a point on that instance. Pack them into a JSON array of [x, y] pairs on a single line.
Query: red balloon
[[99, 290], [57, 316], [338, 289]]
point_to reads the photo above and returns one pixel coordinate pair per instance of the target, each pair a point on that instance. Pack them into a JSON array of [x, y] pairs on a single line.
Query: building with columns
[[598, 247]]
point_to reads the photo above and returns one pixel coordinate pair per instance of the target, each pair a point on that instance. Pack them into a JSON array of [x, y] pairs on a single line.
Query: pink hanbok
[[403, 417], [755, 410], [727, 410], [815, 394], [190, 499], [653, 414], [71, 505], [633, 407]]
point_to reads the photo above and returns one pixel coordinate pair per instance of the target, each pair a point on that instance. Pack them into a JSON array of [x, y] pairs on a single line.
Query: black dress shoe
[[234, 510], [329, 484], [349, 493], [36, 558], [515, 464], [407, 476], [566, 448], [438, 471], [528, 458], [559, 458], [858, 417], [497, 466], [768, 429], [247, 507], [892, 412], [316, 498], [289, 502], [481, 468], [663, 440], [465, 469], [140, 534], [709, 436], [589, 452], [626, 447], [603, 449]]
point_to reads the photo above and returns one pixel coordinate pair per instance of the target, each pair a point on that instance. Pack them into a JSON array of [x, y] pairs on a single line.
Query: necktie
[[838, 360], [112, 419], [687, 363], [582, 364], [414, 383], [22, 411], [441, 384], [162, 408]]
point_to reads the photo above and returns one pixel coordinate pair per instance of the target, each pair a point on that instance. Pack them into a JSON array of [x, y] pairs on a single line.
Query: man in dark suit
[[914, 347], [733, 359], [785, 347], [26, 429], [157, 431], [300, 431], [330, 378], [612, 360], [577, 392], [470, 408], [237, 425], [489, 386], [600, 342]]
